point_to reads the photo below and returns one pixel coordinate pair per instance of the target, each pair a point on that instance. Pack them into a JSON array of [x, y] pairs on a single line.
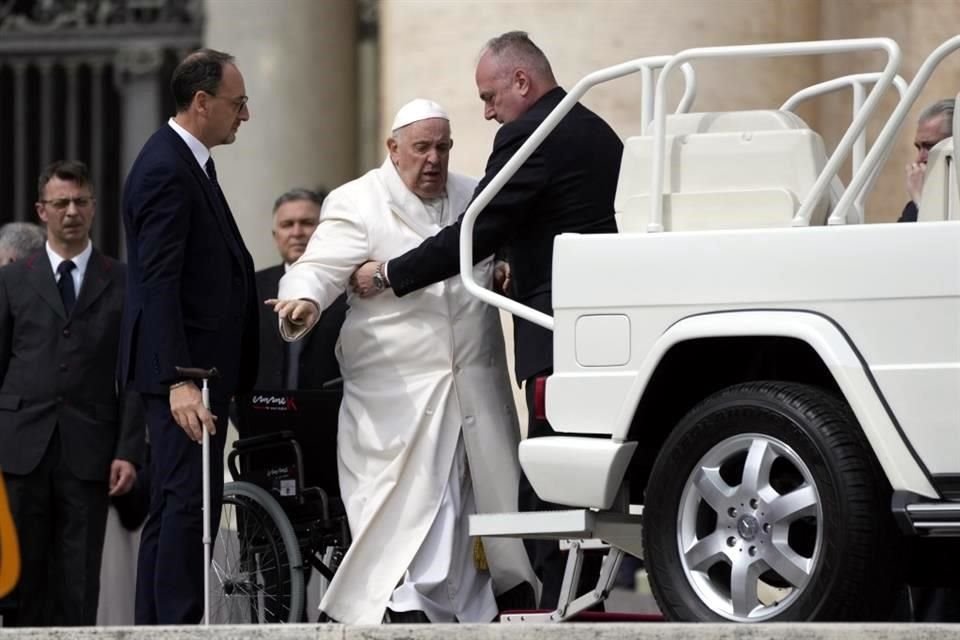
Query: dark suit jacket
[[909, 213], [318, 362], [566, 186], [56, 370], [191, 296]]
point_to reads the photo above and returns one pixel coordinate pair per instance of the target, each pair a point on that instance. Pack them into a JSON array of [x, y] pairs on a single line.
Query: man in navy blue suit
[[191, 302]]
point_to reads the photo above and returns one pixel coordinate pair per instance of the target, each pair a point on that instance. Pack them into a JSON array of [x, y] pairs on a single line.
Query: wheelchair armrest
[[335, 383], [324, 500], [254, 442], [278, 440]]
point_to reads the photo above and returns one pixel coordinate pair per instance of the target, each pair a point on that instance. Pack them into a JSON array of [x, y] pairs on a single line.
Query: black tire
[[800, 527], [257, 570]]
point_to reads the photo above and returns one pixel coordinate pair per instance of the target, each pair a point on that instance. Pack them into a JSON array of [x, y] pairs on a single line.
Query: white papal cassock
[[421, 374]]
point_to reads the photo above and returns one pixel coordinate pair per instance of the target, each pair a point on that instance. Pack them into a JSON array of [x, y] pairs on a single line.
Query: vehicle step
[[617, 528]]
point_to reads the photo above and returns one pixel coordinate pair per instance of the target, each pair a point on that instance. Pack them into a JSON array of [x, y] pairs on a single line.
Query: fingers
[[188, 421], [186, 407], [207, 420], [194, 419], [298, 314], [125, 477], [362, 279], [122, 476], [115, 471]]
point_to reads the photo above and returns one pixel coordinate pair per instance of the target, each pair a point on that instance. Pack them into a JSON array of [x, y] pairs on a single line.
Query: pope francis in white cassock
[[428, 430]]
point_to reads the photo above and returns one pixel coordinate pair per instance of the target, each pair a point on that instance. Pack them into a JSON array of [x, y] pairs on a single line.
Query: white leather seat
[[725, 170], [938, 199]]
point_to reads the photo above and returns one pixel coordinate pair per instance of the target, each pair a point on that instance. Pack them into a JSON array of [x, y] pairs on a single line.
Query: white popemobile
[[772, 384]]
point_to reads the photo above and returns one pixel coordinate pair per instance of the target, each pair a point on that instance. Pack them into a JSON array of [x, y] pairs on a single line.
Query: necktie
[[292, 376], [67, 291], [211, 170]]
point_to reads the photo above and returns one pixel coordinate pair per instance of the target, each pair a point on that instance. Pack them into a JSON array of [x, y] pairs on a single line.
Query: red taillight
[[540, 398]]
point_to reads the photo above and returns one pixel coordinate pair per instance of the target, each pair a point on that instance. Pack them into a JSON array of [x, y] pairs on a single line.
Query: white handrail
[[525, 151], [857, 83], [647, 88], [836, 84], [884, 143], [773, 50]]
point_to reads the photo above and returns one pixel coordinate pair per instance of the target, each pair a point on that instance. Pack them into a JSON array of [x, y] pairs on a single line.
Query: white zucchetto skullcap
[[416, 110]]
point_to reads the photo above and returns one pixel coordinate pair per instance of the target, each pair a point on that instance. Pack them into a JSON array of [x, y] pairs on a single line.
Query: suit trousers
[[170, 563], [548, 561], [61, 521]]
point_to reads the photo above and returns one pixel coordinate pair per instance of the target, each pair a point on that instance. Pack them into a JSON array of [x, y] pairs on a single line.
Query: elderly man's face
[[929, 133], [7, 255], [421, 152], [293, 224]]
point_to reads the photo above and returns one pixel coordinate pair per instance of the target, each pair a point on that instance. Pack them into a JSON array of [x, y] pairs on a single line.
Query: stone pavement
[[639, 631]]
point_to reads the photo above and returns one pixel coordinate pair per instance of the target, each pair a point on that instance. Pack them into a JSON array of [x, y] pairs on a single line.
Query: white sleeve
[[338, 246]]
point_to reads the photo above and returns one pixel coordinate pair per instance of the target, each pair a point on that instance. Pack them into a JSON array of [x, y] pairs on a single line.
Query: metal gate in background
[[85, 80]]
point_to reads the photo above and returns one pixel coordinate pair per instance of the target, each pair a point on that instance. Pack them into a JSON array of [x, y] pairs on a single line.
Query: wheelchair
[[280, 517]]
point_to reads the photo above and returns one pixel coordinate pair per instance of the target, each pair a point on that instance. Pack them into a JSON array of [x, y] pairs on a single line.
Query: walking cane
[[204, 375]]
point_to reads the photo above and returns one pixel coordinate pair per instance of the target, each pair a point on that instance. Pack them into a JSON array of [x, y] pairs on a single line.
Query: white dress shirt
[[197, 148], [81, 260]]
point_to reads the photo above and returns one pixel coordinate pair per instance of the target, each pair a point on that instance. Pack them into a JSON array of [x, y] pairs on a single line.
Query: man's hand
[[122, 476], [916, 171], [299, 313], [501, 277], [362, 279], [186, 405]]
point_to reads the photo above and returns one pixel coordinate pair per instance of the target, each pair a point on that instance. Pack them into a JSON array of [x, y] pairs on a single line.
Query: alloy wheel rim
[[749, 527]]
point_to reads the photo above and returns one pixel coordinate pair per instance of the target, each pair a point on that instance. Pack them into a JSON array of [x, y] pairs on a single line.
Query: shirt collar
[[81, 259], [197, 148]]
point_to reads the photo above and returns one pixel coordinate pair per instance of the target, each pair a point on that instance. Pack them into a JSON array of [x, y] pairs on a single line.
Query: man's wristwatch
[[379, 280]]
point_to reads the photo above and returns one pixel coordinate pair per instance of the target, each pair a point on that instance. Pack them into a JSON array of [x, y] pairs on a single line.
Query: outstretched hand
[[299, 313]]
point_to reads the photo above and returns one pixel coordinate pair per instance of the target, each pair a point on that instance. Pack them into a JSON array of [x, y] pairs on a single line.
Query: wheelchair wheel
[[257, 570]]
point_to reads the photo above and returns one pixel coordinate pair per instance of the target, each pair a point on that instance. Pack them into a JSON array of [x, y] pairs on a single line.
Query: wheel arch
[[704, 353]]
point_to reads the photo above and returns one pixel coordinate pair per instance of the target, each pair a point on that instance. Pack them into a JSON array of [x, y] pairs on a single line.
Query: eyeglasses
[[238, 103], [62, 204]]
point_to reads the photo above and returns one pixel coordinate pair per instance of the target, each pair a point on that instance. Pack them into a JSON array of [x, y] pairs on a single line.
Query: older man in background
[[307, 363], [934, 125], [428, 431], [18, 240]]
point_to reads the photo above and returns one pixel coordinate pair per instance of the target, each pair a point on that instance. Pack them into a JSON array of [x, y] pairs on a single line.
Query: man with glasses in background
[[68, 441]]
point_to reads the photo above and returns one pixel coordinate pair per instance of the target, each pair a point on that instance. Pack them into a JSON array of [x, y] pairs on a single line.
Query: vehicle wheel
[[257, 571], [766, 504]]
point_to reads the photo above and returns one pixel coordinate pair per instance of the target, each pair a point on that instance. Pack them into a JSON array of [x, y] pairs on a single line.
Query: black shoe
[[518, 598], [407, 617], [323, 618]]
